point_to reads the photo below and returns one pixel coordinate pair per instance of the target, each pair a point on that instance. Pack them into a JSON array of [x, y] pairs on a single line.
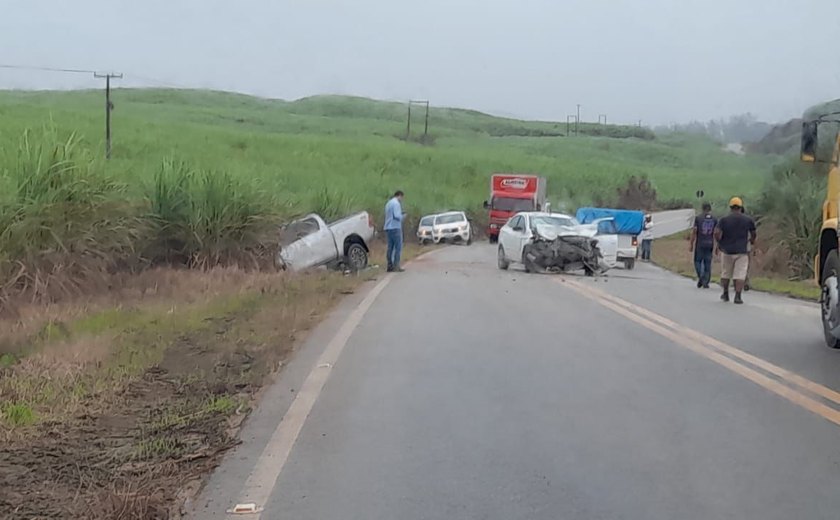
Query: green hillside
[[348, 152]]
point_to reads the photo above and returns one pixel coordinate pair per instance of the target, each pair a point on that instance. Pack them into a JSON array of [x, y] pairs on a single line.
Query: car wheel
[[502, 260], [493, 239], [357, 257], [829, 298], [630, 263]]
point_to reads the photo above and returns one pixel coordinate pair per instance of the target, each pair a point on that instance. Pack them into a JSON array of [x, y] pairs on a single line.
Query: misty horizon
[[650, 61]]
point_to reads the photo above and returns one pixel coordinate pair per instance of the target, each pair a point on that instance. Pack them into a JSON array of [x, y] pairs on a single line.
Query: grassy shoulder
[[120, 403], [672, 254]]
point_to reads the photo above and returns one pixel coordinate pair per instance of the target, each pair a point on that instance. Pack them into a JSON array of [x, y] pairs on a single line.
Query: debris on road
[[563, 253]]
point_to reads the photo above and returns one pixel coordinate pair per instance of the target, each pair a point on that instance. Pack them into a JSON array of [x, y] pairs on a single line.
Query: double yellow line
[[793, 387]]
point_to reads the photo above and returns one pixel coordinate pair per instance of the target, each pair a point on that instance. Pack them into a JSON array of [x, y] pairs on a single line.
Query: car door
[[307, 243], [607, 237], [523, 235], [507, 238]]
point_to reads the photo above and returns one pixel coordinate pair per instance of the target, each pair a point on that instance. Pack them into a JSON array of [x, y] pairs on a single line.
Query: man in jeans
[[733, 233], [647, 238], [393, 231], [703, 245]]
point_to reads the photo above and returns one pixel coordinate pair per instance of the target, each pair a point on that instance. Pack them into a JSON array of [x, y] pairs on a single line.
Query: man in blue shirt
[[393, 230]]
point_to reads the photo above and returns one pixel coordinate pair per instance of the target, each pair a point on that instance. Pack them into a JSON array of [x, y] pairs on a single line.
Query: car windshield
[[553, 221], [427, 221], [511, 204], [450, 218]]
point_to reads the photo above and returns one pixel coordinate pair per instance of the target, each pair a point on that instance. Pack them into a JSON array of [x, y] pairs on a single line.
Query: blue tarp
[[628, 222]]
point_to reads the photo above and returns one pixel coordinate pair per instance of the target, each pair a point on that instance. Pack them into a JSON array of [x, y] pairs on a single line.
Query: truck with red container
[[511, 193]]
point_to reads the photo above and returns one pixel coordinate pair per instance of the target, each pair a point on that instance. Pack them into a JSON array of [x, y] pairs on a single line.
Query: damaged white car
[[553, 242]]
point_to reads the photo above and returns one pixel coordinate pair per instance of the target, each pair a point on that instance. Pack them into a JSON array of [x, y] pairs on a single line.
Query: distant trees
[[742, 128]]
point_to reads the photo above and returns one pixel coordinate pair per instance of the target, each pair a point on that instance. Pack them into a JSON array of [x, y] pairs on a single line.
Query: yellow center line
[[699, 344], [778, 371]]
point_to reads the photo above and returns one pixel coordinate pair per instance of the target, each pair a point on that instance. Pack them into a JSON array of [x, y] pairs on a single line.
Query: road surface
[[459, 391]]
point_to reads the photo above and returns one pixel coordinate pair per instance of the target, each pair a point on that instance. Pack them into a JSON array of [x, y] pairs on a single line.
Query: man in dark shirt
[[733, 234], [703, 245]]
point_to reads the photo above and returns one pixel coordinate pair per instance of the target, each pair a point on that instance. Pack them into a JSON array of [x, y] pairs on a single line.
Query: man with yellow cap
[[734, 233]]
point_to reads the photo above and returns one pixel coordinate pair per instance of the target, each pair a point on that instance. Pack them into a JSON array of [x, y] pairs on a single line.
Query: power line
[[46, 69]]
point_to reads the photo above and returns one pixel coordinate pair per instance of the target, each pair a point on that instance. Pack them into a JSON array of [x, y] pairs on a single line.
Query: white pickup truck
[[311, 242]]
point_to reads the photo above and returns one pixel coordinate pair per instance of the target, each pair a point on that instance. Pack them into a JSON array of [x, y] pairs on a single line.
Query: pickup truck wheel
[[830, 298], [502, 261], [629, 263], [493, 239], [357, 257]]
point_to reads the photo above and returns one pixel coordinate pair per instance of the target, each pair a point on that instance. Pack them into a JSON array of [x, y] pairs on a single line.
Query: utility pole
[[408, 123], [577, 119], [600, 116], [569, 126], [108, 107], [426, 128]]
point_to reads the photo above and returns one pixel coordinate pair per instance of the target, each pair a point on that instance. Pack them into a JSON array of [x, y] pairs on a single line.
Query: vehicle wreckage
[[564, 249]]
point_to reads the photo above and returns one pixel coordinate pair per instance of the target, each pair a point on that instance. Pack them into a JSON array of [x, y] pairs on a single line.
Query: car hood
[[548, 232]]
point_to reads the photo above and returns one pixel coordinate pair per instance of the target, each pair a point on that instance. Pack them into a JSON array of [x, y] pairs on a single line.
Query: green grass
[[17, 414], [296, 150], [672, 254], [202, 178]]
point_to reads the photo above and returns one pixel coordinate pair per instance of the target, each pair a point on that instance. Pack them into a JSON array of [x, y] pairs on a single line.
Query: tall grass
[[204, 218], [64, 222], [792, 204]]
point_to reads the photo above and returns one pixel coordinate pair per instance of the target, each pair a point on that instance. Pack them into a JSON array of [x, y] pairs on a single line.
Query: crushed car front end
[[562, 250]]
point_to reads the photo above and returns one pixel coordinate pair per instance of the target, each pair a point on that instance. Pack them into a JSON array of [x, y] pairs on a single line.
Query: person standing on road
[[393, 231], [647, 238], [750, 253], [703, 245], [734, 233]]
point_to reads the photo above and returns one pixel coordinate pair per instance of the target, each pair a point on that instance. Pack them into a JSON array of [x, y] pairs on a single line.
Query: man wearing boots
[[733, 234]]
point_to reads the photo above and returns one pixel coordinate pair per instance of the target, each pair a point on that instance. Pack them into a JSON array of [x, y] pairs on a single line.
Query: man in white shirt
[[647, 238]]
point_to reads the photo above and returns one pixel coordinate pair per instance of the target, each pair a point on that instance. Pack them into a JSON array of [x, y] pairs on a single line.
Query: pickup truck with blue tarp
[[628, 223]]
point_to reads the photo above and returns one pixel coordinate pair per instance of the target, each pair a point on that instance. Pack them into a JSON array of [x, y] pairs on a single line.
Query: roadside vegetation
[[139, 310]]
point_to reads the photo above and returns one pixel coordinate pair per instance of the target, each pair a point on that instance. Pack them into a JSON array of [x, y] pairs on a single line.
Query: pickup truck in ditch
[[311, 242]]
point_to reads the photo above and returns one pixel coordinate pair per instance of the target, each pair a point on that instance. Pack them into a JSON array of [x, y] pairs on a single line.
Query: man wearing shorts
[[734, 233]]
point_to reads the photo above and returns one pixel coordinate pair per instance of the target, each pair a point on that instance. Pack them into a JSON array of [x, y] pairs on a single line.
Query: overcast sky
[[660, 61]]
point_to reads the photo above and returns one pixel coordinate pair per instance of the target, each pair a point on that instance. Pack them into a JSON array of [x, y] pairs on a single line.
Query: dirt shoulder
[[672, 254], [118, 407]]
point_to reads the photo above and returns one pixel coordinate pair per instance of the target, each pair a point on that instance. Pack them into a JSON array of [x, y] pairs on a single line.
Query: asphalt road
[[465, 392]]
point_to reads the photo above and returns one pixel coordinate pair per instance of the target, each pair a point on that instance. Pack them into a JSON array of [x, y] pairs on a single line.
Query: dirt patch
[[130, 427]]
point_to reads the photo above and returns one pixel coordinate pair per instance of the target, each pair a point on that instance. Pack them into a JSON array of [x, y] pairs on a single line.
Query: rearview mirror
[[486, 205], [808, 150]]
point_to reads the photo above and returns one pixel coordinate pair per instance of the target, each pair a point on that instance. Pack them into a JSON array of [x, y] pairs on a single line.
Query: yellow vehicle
[[827, 261]]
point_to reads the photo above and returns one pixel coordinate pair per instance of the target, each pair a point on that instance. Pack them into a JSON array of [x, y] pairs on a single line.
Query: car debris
[[553, 242], [563, 253]]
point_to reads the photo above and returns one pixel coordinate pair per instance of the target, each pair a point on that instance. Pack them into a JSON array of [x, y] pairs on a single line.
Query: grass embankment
[[672, 253], [115, 405]]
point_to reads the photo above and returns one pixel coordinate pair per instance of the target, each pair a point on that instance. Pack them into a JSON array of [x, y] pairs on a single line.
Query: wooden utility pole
[[108, 107], [577, 120], [568, 126], [408, 123]]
